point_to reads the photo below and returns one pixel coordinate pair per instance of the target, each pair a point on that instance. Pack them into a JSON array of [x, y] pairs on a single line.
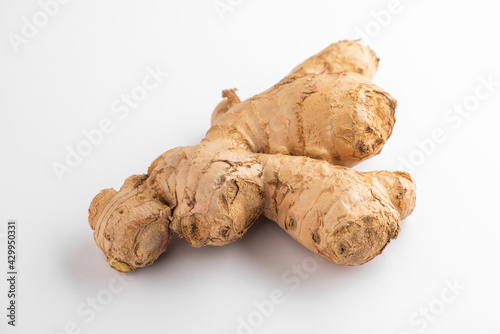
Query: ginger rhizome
[[284, 154]]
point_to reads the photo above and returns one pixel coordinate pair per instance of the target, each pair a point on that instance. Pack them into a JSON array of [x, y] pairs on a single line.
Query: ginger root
[[283, 153]]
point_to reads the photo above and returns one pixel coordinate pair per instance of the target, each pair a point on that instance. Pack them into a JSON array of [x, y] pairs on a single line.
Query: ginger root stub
[[283, 153]]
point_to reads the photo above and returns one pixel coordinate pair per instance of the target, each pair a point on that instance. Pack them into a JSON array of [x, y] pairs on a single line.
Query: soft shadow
[[273, 253], [266, 252]]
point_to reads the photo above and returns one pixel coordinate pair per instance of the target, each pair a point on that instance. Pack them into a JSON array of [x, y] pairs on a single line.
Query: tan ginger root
[[257, 159]]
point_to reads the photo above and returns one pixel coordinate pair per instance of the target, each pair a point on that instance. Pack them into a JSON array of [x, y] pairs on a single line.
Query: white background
[[64, 79]]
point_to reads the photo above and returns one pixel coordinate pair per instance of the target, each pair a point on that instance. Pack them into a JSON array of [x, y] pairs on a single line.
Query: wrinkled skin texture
[[257, 158], [343, 215], [338, 117]]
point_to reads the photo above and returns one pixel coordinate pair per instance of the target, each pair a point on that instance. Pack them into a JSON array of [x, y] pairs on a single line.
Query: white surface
[[66, 77]]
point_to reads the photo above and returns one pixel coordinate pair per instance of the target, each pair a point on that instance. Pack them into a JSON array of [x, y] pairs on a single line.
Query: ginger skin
[[262, 156]]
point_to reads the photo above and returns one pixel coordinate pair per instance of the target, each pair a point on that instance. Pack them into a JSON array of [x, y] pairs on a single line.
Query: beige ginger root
[[257, 158]]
